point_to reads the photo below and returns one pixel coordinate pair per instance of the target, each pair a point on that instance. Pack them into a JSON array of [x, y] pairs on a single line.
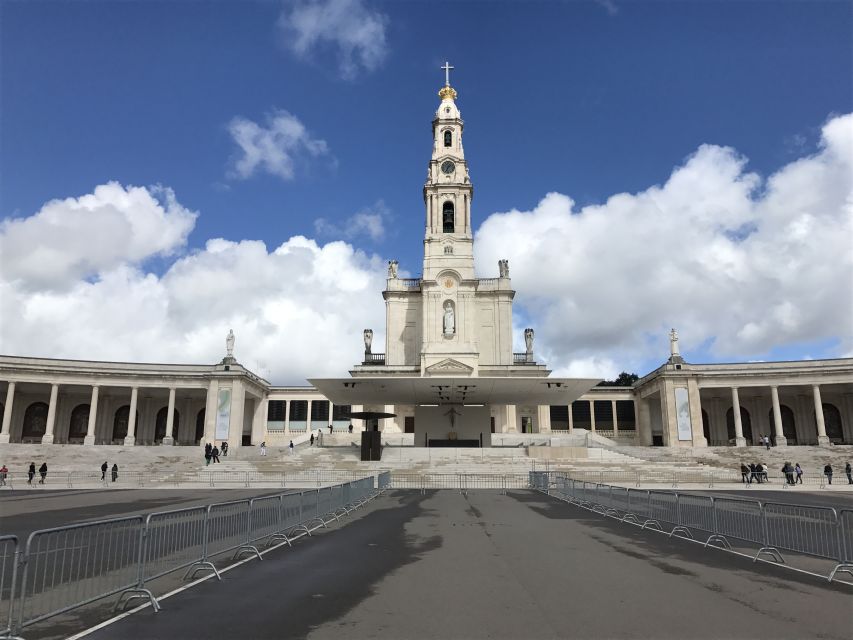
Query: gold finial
[[447, 93]]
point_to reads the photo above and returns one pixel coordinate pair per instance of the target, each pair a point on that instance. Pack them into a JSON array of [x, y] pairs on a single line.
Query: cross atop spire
[[447, 69]]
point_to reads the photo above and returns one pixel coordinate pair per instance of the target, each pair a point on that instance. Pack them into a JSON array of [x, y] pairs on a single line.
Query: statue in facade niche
[[229, 344], [528, 340], [673, 343], [503, 268], [449, 318], [368, 340], [392, 268]]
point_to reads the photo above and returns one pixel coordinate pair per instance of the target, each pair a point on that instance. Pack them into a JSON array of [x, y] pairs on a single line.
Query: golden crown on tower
[[447, 93]]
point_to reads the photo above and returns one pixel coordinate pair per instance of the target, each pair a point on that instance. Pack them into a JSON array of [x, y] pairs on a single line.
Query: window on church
[[448, 250], [448, 218], [448, 139]]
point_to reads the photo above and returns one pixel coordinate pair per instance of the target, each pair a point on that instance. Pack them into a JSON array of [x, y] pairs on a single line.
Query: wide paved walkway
[[487, 565]]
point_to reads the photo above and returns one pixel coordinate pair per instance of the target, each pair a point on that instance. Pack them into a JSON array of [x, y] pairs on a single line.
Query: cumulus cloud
[[76, 238], [739, 264], [368, 223], [273, 148], [297, 310], [350, 29]]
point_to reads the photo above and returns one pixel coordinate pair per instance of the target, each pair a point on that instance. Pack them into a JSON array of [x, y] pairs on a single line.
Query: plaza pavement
[[486, 565]]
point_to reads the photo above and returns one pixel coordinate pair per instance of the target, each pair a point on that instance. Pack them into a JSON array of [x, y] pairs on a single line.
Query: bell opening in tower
[[448, 217]]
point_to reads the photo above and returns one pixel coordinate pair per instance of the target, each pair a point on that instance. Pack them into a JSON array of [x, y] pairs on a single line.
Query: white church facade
[[447, 376]]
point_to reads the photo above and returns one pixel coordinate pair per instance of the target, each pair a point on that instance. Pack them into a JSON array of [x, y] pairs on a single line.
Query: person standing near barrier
[[115, 471], [3, 473], [744, 474], [214, 454], [799, 471], [312, 438], [43, 472], [208, 451], [104, 471], [224, 448], [290, 446], [847, 469], [31, 472], [827, 471], [263, 448], [788, 470]]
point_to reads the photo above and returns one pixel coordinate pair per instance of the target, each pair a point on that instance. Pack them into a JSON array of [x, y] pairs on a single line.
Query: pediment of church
[[450, 366]]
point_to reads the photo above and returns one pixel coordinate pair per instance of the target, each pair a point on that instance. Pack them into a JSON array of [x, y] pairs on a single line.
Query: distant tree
[[624, 379]]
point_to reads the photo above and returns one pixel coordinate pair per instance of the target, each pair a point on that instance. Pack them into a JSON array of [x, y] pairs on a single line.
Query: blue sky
[[585, 99]]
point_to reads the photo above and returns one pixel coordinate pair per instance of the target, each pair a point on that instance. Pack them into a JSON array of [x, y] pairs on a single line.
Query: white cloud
[[350, 28], [77, 238], [609, 6], [733, 261], [298, 310], [367, 222], [275, 148]]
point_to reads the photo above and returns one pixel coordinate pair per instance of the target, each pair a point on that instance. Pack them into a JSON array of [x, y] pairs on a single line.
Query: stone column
[[7, 413], [544, 418], [694, 399], [47, 438], [287, 416], [571, 420], [511, 419], [168, 439], [308, 418], [591, 415], [93, 416], [644, 422], [388, 423], [822, 440], [259, 422], [715, 421], [780, 439], [211, 406], [130, 438], [740, 441], [331, 413], [238, 407], [615, 420]]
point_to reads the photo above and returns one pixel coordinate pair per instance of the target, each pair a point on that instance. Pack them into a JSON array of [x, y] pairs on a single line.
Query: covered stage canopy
[[434, 390]]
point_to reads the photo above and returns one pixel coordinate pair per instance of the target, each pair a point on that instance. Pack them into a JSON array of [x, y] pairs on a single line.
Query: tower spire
[[447, 92]]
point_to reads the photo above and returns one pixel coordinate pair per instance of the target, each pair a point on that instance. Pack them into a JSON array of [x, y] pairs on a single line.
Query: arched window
[[448, 217], [35, 422], [789, 429], [199, 427], [160, 425], [121, 422], [745, 421], [448, 249], [79, 422], [832, 422], [448, 139]]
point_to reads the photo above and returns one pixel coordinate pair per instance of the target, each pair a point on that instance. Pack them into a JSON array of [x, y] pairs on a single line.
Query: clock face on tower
[[447, 166]]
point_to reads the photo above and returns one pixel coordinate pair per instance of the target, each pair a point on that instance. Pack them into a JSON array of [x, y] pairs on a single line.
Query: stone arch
[[121, 422], [706, 426], [35, 422], [746, 422], [448, 217], [78, 424], [832, 422], [199, 426], [160, 424], [789, 426]]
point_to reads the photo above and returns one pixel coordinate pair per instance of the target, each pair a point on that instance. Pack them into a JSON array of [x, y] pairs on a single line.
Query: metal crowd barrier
[[63, 568], [460, 481], [774, 527]]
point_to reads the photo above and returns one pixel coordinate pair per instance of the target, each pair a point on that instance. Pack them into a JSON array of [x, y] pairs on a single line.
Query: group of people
[[793, 473], [31, 472], [211, 452], [113, 471]]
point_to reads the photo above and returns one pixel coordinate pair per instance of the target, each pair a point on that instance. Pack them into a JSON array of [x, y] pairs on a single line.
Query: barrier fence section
[[675, 478], [63, 568], [821, 532]]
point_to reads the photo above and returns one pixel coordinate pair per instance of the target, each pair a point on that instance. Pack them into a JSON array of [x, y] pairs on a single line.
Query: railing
[[409, 282], [460, 481], [64, 568], [374, 358], [821, 532], [522, 358], [708, 478]]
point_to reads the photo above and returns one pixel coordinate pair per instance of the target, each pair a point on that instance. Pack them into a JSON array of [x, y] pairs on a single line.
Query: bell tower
[[448, 241]]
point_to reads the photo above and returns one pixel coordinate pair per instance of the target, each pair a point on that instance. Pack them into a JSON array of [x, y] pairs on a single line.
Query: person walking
[[3, 473], [331, 428], [744, 474], [827, 471], [104, 471], [208, 451], [788, 470], [350, 427], [290, 446], [214, 454], [31, 472], [43, 472], [114, 471], [263, 448], [847, 469], [799, 471], [224, 448], [767, 442], [312, 438]]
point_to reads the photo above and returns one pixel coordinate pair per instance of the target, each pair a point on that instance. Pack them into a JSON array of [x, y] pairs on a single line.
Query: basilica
[[447, 376]]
